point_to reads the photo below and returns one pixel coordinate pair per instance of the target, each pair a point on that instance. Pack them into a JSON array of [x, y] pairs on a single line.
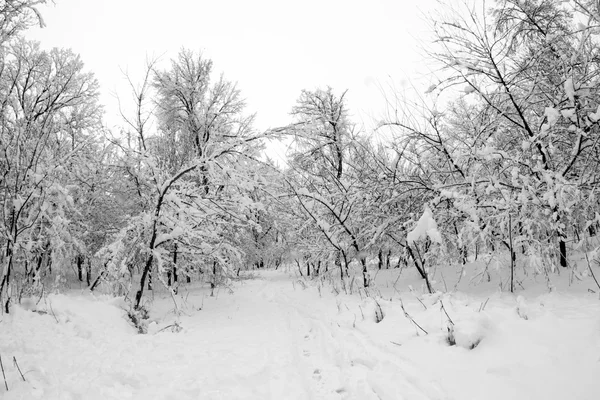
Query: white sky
[[272, 48]]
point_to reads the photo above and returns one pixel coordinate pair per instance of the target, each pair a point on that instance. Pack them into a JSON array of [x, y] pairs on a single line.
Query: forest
[[498, 160], [447, 250]]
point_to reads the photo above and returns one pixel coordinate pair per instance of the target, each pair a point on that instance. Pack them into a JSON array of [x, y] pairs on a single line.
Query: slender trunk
[[175, 263], [512, 258], [420, 264], [39, 263], [346, 264], [97, 281], [462, 250], [338, 262], [27, 271], [88, 274], [562, 241], [307, 268], [5, 284], [49, 262], [149, 260], [562, 248], [592, 229], [80, 267], [213, 283], [365, 272], [379, 259], [299, 267]]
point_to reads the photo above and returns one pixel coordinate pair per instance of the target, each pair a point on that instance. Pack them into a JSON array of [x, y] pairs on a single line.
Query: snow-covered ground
[[277, 337]]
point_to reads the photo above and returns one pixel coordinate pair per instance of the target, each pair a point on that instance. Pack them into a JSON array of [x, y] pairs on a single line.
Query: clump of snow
[[552, 115], [426, 227], [371, 310], [570, 89], [469, 332], [596, 115]]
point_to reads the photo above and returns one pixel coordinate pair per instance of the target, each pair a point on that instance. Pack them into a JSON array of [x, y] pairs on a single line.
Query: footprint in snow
[[317, 374]]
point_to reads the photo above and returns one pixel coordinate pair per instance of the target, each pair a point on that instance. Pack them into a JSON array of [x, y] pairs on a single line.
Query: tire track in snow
[[345, 364]]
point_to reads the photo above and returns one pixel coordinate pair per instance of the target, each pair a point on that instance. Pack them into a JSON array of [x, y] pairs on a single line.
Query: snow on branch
[[426, 226]]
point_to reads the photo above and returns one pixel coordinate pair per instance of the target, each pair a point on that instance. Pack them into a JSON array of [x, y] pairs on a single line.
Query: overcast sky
[[272, 48]]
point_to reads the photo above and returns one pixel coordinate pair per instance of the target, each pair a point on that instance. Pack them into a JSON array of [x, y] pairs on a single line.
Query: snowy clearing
[[276, 337]]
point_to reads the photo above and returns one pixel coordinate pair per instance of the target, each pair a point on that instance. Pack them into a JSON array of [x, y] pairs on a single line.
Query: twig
[[407, 315], [423, 304], [445, 312], [482, 307], [51, 310], [397, 344], [3, 374], [41, 295], [17, 365], [591, 270], [168, 326], [444, 280]]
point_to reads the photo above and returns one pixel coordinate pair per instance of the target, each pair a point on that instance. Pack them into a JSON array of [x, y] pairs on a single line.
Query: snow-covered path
[[265, 341], [274, 339]]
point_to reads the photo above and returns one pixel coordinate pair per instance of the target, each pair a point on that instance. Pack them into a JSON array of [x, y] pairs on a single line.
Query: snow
[[570, 90], [426, 226], [596, 115], [277, 337], [552, 114]]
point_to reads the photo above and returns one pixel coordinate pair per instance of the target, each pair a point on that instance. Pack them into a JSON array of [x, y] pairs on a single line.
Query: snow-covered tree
[[514, 154], [47, 101], [191, 155]]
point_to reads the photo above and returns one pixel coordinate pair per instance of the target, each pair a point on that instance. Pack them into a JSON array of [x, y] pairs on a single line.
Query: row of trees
[[503, 150], [509, 163]]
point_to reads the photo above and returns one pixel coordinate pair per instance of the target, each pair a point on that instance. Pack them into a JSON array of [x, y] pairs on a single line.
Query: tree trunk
[[80, 267], [380, 259], [97, 281], [175, 263], [420, 265], [88, 274], [5, 294], [5, 285], [213, 283], [138, 295], [299, 267], [49, 262], [512, 256], [365, 272], [562, 248]]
